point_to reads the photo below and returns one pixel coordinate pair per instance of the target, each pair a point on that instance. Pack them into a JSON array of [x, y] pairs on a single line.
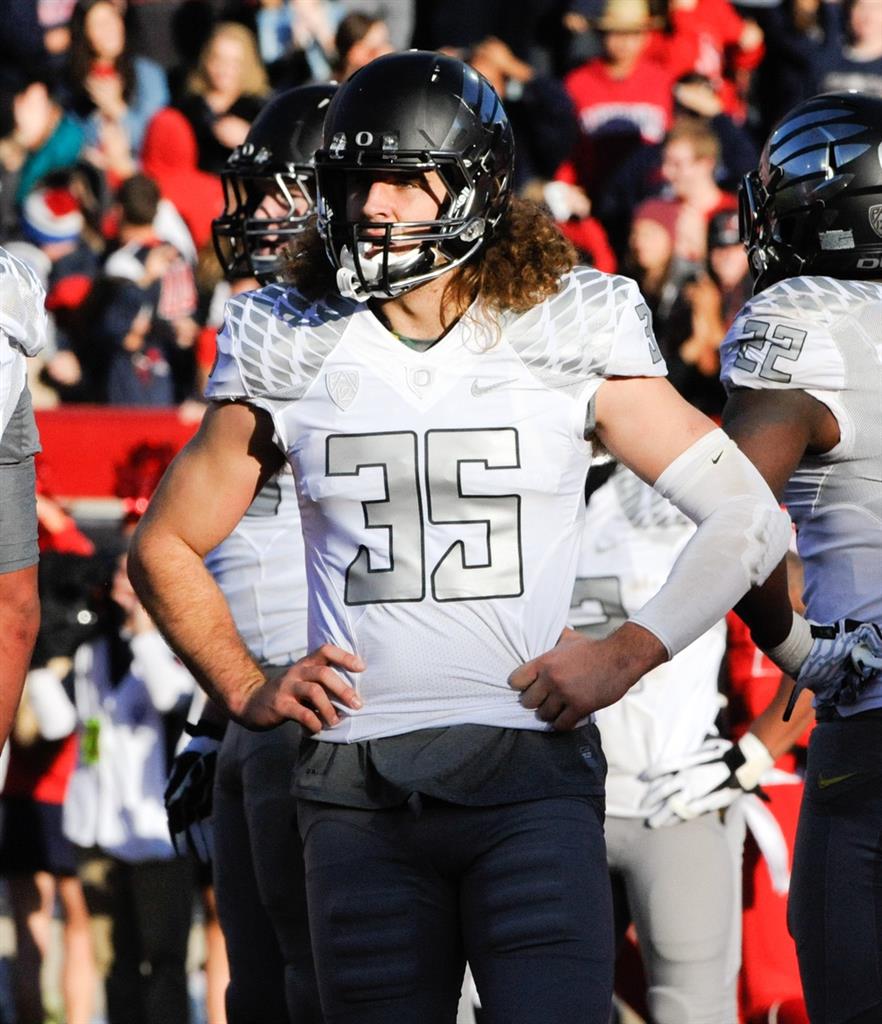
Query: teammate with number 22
[[438, 373], [803, 364]]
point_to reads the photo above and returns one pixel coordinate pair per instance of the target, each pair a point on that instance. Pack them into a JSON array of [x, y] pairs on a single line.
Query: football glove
[[842, 659], [708, 779], [188, 799]]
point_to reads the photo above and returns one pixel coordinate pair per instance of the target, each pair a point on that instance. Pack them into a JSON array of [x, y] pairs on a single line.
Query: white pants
[[681, 887]]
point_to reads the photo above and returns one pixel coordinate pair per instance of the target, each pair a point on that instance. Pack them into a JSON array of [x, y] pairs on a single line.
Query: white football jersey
[[260, 569], [23, 326], [631, 538], [440, 491], [824, 337]]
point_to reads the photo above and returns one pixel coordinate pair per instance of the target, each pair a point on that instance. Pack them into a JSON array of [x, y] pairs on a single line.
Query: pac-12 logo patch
[[342, 386], [875, 215]]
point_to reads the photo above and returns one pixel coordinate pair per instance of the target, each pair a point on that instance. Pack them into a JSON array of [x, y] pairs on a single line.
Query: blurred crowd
[[634, 122]]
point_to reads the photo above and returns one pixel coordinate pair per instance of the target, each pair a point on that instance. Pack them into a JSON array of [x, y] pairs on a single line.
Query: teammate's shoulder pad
[[22, 304]]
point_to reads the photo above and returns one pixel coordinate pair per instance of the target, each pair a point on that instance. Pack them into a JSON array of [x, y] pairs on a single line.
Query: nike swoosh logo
[[717, 458], [484, 389], [825, 781]]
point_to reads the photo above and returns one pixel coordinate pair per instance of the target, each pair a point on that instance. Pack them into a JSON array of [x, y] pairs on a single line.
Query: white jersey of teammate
[[824, 337], [440, 492], [631, 538], [23, 325], [259, 568]]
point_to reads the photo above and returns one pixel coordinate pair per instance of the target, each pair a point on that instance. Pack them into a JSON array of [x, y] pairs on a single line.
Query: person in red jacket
[[169, 157], [623, 97]]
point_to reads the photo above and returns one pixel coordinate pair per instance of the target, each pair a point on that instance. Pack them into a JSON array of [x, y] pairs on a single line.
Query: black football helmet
[[276, 157], [413, 112], [814, 205]]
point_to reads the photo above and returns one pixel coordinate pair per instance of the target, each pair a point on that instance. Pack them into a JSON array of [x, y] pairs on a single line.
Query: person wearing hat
[[711, 302], [622, 97], [727, 263]]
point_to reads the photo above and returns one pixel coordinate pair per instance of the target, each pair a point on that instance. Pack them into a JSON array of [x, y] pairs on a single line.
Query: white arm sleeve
[[742, 535]]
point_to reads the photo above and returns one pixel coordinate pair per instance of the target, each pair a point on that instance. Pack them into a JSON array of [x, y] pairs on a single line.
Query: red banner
[[86, 448]]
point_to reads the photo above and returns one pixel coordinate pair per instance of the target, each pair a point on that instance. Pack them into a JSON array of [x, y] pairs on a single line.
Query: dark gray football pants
[[258, 876], [400, 897], [835, 907]]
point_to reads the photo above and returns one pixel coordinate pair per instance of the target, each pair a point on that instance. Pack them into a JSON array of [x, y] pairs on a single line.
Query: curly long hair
[[519, 267]]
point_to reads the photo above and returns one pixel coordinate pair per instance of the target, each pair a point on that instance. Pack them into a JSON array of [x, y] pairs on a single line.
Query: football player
[[269, 185], [803, 364], [437, 377], [243, 822], [23, 327], [668, 766]]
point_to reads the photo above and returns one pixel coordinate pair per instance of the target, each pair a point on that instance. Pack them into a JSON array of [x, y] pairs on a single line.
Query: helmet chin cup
[[384, 274]]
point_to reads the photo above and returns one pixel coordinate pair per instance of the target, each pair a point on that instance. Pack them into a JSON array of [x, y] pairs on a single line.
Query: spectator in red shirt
[[623, 97], [723, 42]]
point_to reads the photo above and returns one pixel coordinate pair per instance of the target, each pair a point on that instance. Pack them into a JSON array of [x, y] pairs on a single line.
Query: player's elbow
[[148, 554], [767, 538]]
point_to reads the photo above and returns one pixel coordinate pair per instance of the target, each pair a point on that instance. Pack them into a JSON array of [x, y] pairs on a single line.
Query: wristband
[[757, 760], [790, 654], [211, 730]]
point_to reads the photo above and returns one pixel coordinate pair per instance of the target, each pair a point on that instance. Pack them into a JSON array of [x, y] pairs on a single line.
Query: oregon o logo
[[364, 139]]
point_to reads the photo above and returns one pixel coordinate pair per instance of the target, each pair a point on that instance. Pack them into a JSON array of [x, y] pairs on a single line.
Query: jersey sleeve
[[22, 305], [633, 350], [226, 379], [776, 343], [269, 347], [596, 326]]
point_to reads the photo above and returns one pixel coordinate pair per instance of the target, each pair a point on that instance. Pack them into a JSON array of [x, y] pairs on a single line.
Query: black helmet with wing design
[[276, 159], [814, 205], [413, 112]]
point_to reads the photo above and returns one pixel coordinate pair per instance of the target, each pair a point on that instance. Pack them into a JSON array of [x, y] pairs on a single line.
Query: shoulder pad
[[273, 343], [22, 305], [783, 337], [596, 325]]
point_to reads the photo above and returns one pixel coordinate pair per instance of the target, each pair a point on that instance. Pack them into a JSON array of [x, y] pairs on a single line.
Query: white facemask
[[348, 282]]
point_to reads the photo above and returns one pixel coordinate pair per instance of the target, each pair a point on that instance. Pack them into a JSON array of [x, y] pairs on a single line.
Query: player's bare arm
[[668, 443], [201, 498], [775, 429]]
